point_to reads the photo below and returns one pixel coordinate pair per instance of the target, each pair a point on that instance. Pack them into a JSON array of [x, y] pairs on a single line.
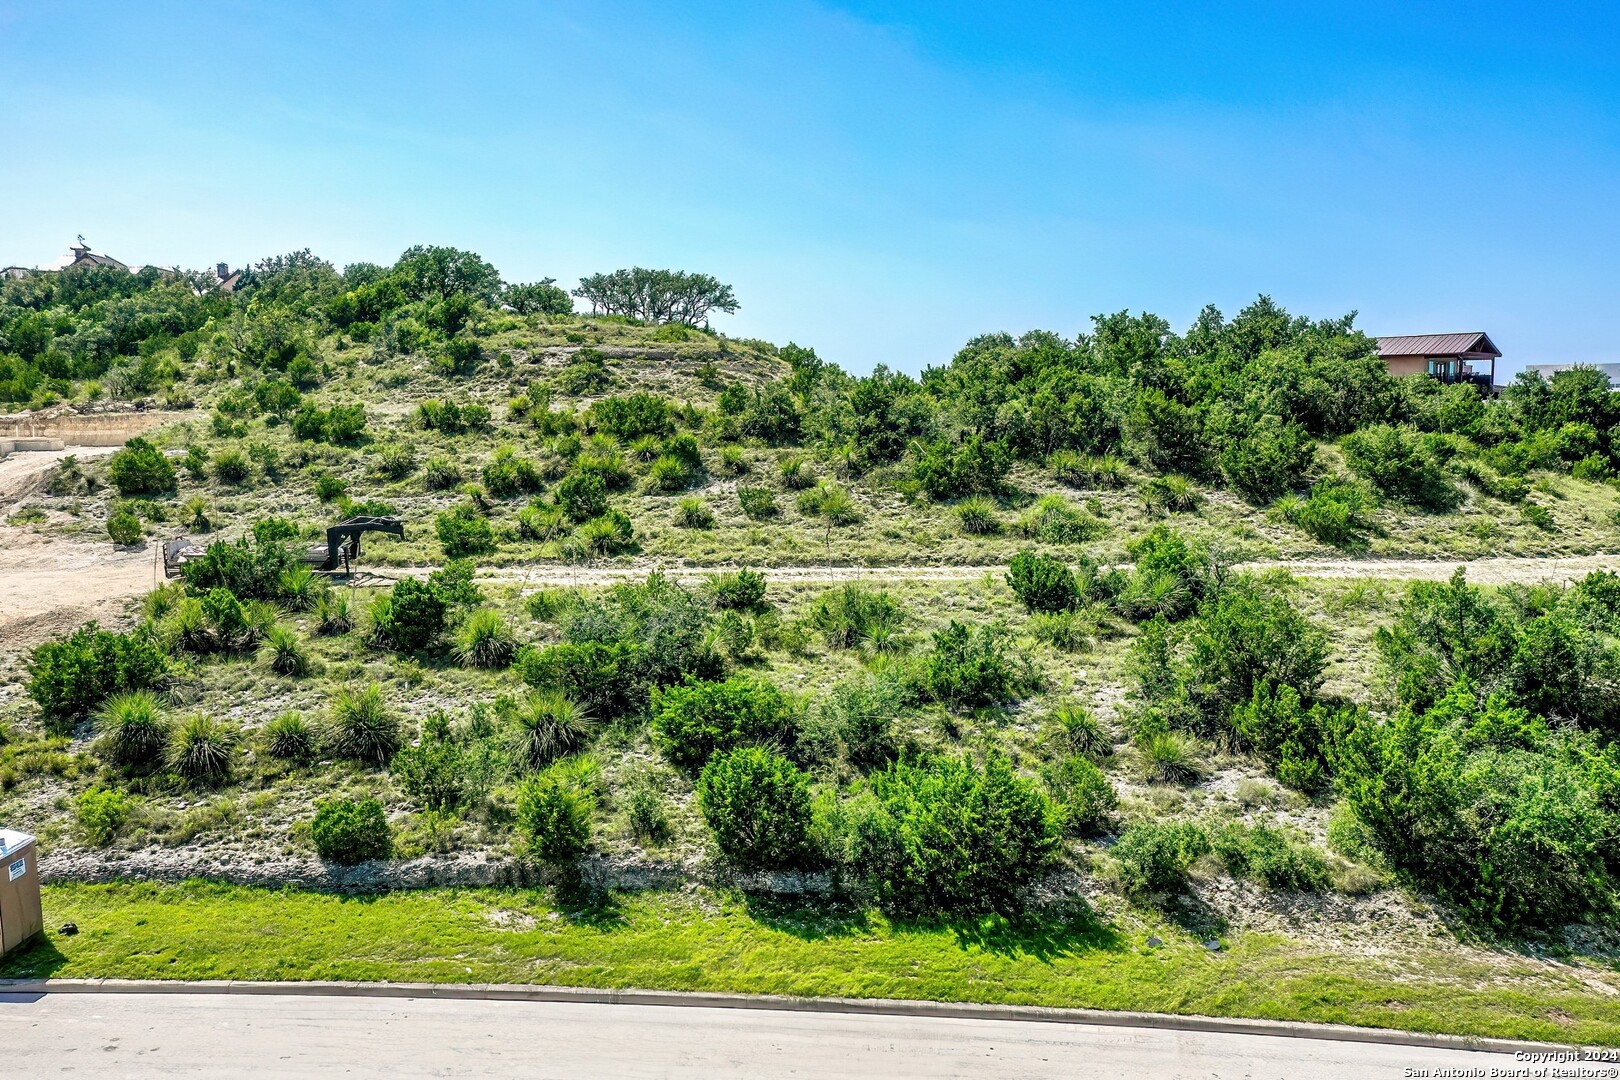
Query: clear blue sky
[[881, 181]]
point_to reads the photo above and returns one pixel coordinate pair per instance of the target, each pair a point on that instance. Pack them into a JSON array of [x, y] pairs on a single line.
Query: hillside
[[673, 609]]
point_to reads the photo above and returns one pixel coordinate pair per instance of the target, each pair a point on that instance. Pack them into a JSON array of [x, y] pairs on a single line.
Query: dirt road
[[49, 585]]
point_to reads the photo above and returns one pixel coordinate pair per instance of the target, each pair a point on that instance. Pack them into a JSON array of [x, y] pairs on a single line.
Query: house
[[226, 279], [1469, 357], [81, 256]]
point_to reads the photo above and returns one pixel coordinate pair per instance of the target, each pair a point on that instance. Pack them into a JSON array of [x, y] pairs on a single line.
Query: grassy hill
[[1108, 714]]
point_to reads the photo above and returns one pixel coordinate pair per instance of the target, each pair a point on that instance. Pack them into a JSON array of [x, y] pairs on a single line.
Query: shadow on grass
[[1044, 934], [39, 960]]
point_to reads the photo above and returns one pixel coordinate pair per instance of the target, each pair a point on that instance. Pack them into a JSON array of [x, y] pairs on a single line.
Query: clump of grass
[[334, 612], [796, 473], [361, 727], [547, 726], [485, 641], [1172, 493], [547, 604], [1087, 471], [829, 502], [300, 588], [284, 652], [132, 728], [649, 820], [1069, 631], [978, 516], [733, 461], [290, 737], [1052, 519], [693, 513], [757, 502], [1170, 758], [202, 749], [1079, 732]]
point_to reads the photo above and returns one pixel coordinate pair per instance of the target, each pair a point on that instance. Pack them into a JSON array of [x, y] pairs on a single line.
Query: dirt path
[[23, 472], [1492, 571], [49, 585]]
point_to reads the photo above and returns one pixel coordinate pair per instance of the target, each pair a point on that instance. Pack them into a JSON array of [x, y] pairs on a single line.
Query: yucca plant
[[290, 737], [186, 628], [549, 725], [1081, 732], [978, 516], [796, 473], [333, 612], [162, 600], [693, 513], [607, 535], [647, 448], [202, 749], [1171, 492], [361, 727], [132, 728], [258, 616], [734, 461], [484, 640], [300, 587], [195, 514], [283, 651], [1171, 758]]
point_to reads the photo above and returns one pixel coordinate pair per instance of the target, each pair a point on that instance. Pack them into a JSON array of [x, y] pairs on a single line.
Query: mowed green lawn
[[715, 941]]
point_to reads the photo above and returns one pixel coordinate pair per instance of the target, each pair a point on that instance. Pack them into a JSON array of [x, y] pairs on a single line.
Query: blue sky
[[881, 181]]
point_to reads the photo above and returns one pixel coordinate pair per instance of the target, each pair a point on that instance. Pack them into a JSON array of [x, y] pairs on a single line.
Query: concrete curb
[[768, 1002]]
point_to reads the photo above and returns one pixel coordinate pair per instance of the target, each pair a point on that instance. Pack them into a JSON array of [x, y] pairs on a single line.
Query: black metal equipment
[[343, 541]]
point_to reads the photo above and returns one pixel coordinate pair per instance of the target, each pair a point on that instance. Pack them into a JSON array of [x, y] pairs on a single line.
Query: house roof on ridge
[[1473, 342]]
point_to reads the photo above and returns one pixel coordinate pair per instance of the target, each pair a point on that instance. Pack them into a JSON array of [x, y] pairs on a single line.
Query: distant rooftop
[[1470, 343]]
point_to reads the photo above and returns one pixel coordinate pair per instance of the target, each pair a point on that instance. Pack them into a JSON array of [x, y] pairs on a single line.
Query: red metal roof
[[1438, 345]]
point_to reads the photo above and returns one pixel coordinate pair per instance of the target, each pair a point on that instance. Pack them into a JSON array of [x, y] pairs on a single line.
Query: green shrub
[[1536, 515], [463, 531], [632, 416], [693, 513], [758, 806], [1269, 855], [978, 516], [71, 677], [1053, 520], [438, 773], [692, 722], [1067, 631], [968, 668], [360, 726], [549, 725], [124, 528], [1081, 795], [1247, 636], [1154, 856], [856, 719], [329, 487], [101, 813], [648, 818], [668, 474], [758, 503], [140, 469], [250, 569], [554, 816], [351, 831], [396, 461], [290, 737], [202, 748], [507, 474], [1041, 582], [733, 461], [132, 729], [975, 466], [1334, 513], [610, 534], [947, 835], [743, 590], [1400, 464], [853, 614], [1263, 458]]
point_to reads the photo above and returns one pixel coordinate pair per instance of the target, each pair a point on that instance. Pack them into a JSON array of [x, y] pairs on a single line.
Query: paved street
[[154, 1035]]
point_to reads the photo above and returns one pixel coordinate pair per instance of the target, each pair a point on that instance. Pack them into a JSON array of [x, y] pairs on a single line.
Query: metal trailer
[[20, 914]]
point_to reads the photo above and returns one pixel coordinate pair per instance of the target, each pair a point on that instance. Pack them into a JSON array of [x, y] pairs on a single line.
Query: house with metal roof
[[1467, 358]]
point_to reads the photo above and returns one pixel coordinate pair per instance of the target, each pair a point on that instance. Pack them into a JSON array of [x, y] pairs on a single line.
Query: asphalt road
[[153, 1035]]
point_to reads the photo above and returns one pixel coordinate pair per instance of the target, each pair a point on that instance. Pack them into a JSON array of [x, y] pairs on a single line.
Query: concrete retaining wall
[[15, 446], [87, 429]]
